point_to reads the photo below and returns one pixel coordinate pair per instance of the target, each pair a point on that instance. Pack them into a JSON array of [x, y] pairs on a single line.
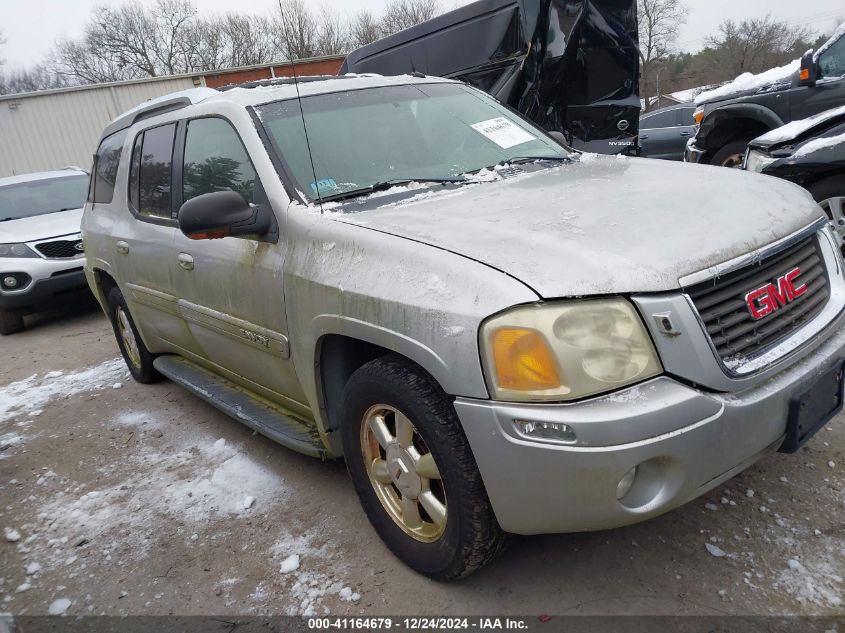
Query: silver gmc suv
[[498, 334]]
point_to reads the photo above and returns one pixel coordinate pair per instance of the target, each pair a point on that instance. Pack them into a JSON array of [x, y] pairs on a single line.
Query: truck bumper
[[683, 441], [693, 153]]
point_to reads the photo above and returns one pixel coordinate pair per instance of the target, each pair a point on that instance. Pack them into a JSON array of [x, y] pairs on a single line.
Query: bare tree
[[364, 28], [660, 22], [403, 14], [756, 44], [297, 30], [332, 33]]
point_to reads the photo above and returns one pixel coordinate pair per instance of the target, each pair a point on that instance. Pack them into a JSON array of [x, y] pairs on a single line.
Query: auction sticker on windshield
[[502, 132]]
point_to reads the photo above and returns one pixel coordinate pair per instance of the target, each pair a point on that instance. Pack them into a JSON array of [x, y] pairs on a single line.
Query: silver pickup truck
[[498, 334]]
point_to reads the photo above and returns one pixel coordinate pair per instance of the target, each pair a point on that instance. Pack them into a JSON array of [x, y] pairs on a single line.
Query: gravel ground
[[120, 498]]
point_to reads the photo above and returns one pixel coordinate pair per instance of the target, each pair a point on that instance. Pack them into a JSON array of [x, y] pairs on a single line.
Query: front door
[[230, 290], [829, 92]]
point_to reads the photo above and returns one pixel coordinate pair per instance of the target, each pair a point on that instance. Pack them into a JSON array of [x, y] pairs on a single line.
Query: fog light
[[626, 483], [557, 431], [10, 282]]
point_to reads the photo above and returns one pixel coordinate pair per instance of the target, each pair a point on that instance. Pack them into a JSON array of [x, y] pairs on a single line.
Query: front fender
[[717, 125]]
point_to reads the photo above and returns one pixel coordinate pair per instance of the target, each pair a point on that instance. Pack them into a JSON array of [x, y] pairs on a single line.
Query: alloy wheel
[[403, 473], [127, 335]]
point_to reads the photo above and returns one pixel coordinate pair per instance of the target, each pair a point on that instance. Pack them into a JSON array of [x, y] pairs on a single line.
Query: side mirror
[[809, 70], [223, 214]]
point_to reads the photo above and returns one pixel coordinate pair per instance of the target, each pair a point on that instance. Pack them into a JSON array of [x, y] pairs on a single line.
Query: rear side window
[[107, 160], [216, 160], [150, 173], [658, 120]]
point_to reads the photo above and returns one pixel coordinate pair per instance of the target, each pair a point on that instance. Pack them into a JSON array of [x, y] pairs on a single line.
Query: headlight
[[565, 351], [757, 161], [16, 250]]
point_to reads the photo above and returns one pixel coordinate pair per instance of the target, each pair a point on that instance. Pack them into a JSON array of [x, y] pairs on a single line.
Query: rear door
[[231, 290]]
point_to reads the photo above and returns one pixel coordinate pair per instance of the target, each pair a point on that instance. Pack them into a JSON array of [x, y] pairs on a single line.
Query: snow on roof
[[749, 81], [684, 96], [796, 128]]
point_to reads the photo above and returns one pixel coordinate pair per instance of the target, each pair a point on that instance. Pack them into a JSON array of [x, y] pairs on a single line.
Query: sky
[[31, 27]]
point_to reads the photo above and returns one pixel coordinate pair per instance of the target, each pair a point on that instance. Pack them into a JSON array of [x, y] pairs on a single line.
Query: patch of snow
[[249, 501], [32, 394], [33, 568], [819, 144], [117, 385], [11, 534], [59, 606], [812, 583], [348, 595], [715, 550], [23, 587], [749, 81], [291, 563], [712, 506]]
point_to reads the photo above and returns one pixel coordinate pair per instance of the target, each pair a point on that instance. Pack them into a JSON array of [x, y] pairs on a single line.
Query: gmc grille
[[722, 305], [60, 249]]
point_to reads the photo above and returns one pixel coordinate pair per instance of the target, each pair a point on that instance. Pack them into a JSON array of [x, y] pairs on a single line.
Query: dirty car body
[[598, 356], [568, 66]]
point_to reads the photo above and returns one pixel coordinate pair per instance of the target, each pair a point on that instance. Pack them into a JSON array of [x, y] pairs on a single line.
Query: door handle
[[643, 137], [122, 247], [186, 261], [686, 134]]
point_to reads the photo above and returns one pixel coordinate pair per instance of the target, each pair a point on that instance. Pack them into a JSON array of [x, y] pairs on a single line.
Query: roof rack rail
[[280, 81], [159, 105]]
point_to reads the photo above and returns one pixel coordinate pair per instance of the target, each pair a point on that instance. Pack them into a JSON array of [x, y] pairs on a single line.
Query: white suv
[[41, 253]]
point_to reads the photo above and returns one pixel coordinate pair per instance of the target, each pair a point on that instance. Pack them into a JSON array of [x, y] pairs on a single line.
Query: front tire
[[11, 321], [138, 358], [731, 155], [414, 472]]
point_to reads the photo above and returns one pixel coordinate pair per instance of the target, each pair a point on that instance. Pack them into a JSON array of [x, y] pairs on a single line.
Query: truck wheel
[[11, 321], [138, 358], [731, 155], [414, 472], [830, 194]]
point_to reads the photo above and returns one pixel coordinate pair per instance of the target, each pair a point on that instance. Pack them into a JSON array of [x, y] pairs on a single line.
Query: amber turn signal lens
[[698, 117], [523, 360], [805, 74]]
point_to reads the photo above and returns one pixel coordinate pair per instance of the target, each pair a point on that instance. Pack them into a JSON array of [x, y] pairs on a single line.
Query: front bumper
[[693, 153], [685, 440], [49, 280]]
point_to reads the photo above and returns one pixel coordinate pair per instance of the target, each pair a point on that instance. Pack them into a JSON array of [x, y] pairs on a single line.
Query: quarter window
[[216, 160], [150, 173], [107, 162]]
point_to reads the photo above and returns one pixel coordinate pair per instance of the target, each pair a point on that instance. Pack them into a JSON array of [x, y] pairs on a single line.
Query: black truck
[[729, 119], [572, 66]]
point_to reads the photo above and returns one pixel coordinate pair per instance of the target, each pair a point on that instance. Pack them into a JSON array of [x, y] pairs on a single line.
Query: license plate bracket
[[813, 409]]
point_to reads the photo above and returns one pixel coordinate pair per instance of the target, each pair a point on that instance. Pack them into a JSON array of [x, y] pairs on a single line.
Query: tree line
[[135, 40], [751, 45]]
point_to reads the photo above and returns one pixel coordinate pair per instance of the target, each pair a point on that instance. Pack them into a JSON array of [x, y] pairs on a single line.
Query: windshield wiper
[[517, 160], [382, 185]]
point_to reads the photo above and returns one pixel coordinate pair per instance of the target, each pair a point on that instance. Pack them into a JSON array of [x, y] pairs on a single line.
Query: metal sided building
[[51, 129]]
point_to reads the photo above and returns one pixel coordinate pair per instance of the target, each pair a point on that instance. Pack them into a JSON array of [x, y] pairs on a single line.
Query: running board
[[256, 412]]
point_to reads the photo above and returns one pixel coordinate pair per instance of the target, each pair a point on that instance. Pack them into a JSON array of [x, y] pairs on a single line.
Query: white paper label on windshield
[[503, 133]]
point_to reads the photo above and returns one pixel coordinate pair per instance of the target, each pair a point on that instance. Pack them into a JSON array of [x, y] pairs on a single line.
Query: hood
[[802, 130], [602, 225], [40, 227]]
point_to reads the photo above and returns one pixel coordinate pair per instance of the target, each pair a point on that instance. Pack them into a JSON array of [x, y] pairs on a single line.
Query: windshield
[[37, 197], [426, 132]]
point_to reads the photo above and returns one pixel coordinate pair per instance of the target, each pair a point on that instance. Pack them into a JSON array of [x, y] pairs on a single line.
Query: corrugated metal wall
[[54, 129]]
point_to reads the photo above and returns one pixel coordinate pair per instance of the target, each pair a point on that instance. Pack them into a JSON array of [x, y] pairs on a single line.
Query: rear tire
[[11, 321], [731, 155], [138, 358], [448, 530], [830, 194]]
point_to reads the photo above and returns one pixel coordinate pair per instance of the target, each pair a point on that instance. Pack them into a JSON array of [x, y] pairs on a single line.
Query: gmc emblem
[[772, 297]]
